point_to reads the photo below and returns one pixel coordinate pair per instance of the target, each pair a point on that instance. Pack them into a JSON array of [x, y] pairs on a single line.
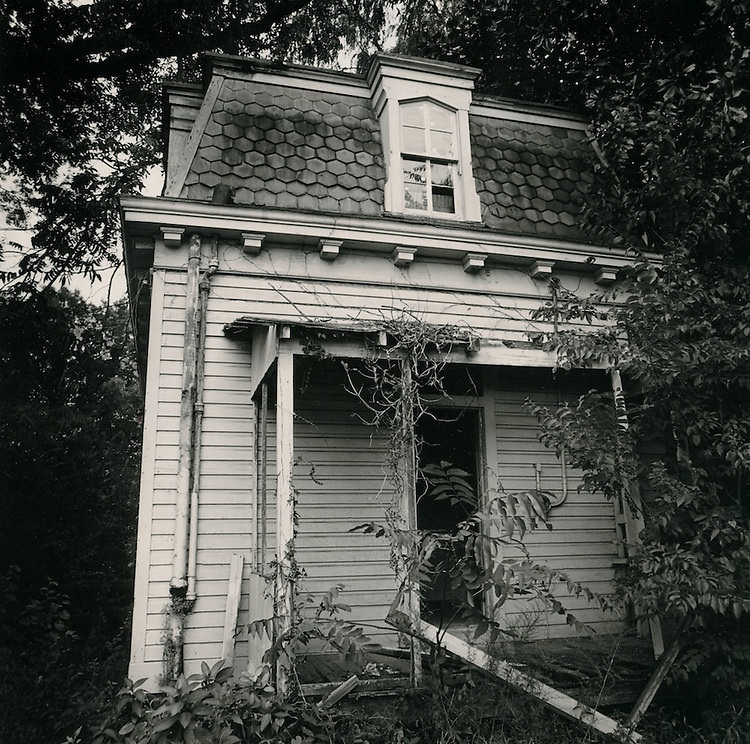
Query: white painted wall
[[288, 283]]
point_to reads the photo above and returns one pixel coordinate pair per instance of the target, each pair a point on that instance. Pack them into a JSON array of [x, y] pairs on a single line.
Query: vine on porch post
[[396, 385]]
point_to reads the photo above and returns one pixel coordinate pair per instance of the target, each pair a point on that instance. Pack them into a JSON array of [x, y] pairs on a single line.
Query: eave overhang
[[146, 215]]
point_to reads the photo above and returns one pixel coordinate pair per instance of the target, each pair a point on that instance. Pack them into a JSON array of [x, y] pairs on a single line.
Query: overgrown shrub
[[50, 680], [455, 705], [214, 706]]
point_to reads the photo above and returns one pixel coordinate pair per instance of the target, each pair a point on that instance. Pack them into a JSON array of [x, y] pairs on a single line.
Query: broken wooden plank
[[558, 701], [233, 607], [652, 686], [366, 688], [340, 692]]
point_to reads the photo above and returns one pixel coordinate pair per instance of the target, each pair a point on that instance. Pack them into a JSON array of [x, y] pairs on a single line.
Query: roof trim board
[[347, 83], [497, 110], [182, 168], [295, 79], [423, 64], [435, 238]]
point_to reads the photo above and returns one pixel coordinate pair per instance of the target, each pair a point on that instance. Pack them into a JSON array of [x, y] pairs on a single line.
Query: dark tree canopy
[[667, 85], [559, 52], [70, 425], [70, 451], [80, 98]]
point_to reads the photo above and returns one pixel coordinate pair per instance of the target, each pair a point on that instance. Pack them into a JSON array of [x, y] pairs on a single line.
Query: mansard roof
[[294, 137]]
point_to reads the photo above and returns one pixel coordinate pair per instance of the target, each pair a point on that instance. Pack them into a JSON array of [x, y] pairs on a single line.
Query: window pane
[[414, 140], [441, 118], [415, 196], [415, 171], [412, 114], [442, 200], [442, 175], [441, 144]]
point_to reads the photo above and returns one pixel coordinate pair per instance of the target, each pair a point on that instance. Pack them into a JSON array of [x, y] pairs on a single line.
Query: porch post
[[409, 513], [286, 566]]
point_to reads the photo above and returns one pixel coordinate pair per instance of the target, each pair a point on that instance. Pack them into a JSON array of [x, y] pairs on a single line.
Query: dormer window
[[423, 108], [428, 157]]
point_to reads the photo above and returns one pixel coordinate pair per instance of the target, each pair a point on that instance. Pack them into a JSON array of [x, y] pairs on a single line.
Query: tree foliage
[[69, 454], [79, 101], [667, 86]]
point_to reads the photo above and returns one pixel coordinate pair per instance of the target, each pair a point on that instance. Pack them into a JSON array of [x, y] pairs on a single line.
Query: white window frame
[[429, 159]]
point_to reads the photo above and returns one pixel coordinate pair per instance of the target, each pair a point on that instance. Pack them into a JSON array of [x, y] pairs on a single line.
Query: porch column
[[409, 514], [286, 564]]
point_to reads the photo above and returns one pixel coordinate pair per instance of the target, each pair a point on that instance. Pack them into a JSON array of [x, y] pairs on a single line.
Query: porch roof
[[244, 325]]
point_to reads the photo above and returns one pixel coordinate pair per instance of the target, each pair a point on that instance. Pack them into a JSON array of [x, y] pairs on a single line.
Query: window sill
[[431, 218]]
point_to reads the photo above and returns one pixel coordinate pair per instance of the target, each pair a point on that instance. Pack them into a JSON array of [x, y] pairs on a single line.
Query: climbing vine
[[397, 384]]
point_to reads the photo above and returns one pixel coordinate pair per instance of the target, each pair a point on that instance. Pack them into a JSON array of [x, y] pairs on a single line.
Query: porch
[[323, 467]]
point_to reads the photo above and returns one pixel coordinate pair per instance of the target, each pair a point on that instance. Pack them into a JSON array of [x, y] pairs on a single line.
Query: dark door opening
[[447, 435]]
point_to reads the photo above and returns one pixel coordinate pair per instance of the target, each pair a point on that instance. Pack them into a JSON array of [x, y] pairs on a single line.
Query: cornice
[[147, 215]]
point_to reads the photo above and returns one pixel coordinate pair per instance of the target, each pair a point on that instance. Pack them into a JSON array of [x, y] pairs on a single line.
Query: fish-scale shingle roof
[[279, 146], [530, 178], [283, 146]]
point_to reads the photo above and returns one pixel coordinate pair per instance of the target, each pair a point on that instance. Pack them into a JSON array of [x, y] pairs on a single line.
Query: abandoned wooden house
[[307, 216]]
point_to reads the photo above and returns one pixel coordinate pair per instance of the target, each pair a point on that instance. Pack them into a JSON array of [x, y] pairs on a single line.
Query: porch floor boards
[[601, 671]]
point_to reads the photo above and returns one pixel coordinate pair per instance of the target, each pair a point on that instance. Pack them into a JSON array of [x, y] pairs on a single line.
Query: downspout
[[178, 582], [203, 291]]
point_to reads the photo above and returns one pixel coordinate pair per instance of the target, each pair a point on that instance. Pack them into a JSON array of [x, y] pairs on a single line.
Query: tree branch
[[128, 49]]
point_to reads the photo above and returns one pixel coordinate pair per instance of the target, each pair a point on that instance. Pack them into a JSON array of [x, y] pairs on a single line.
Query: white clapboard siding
[[341, 482], [504, 313], [340, 471], [226, 481], [582, 541]]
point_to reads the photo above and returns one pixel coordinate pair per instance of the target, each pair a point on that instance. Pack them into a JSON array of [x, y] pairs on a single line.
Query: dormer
[[423, 108]]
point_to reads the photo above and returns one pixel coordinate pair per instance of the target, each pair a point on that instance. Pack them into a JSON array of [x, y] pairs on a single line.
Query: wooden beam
[[285, 578], [234, 588], [263, 514], [408, 509], [552, 698], [654, 683], [488, 353], [629, 515], [255, 491], [340, 692]]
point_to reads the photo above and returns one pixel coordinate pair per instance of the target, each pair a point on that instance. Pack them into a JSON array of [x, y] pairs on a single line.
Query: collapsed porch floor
[[601, 671]]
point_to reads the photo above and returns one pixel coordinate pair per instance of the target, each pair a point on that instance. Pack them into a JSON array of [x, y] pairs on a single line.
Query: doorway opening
[[450, 441]]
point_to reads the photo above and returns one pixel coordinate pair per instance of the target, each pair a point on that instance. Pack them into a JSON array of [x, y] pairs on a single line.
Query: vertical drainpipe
[[203, 291], [178, 582]]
